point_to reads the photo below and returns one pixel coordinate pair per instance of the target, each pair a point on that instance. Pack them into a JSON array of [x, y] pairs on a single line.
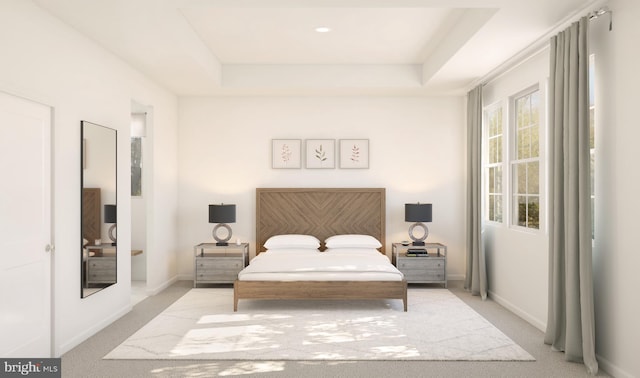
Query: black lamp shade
[[222, 213], [110, 214], [417, 212]]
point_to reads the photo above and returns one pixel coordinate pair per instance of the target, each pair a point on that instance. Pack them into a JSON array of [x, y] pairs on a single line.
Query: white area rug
[[202, 326]]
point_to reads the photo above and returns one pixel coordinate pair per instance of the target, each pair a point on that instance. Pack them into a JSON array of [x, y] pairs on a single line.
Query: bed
[[322, 213]]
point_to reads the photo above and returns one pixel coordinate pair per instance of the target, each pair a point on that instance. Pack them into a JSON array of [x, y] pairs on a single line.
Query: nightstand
[[101, 264], [216, 264], [431, 268]]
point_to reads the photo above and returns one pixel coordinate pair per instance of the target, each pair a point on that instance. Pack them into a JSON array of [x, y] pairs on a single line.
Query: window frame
[[513, 159], [486, 161], [509, 155]]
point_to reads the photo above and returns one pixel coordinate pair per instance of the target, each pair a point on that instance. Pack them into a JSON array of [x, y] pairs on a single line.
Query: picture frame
[[286, 153], [354, 153], [320, 153]]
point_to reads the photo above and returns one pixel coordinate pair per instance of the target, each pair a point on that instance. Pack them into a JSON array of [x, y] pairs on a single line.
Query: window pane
[[521, 210], [535, 141], [520, 178], [493, 124], [526, 111], [491, 180], [498, 179], [519, 119], [533, 176], [491, 207], [492, 151], [498, 210], [524, 144], [533, 212], [535, 108]]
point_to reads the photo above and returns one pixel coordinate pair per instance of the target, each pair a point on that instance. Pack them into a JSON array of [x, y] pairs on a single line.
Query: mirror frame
[[104, 249]]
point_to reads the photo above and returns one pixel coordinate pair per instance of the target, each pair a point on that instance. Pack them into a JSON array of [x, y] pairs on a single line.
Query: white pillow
[[352, 241], [292, 251], [292, 241], [352, 251]]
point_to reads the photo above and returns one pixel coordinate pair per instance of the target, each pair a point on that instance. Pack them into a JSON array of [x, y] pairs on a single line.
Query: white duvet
[[311, 265]]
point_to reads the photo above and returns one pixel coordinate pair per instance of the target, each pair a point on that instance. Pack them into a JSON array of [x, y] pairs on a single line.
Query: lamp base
[[418, 241], [220, 241], [112, 234]]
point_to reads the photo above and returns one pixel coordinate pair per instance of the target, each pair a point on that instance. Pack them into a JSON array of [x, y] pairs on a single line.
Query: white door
[[25, 228]]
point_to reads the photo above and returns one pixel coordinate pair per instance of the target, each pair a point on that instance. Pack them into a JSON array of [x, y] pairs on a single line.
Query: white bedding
[[332, 265]]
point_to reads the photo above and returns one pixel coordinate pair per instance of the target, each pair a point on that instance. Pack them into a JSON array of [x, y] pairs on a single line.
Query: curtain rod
[[601, 12], [542, 43]]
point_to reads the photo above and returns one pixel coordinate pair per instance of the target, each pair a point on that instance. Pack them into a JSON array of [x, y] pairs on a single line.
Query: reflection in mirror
[[98, 211]]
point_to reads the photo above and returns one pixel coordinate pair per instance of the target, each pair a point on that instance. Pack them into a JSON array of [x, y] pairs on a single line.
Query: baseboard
[[603, 364], [539, 324], [96, 327], [155, 290], [611, 369]]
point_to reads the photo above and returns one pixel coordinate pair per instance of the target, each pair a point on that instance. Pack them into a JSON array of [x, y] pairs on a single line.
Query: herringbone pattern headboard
[[91, 219], [321, 212]]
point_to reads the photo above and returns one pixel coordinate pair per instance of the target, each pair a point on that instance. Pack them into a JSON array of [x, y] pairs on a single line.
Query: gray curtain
[[476, 272], [570, 322]]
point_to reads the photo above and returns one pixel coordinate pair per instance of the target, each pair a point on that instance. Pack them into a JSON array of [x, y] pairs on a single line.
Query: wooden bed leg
[[405, 297], [235, 296]]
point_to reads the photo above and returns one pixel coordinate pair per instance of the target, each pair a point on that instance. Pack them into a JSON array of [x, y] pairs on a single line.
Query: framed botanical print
[[320, 153], [286, 153], [354, 153]]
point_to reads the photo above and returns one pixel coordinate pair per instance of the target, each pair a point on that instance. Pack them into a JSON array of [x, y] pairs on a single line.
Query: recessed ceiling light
[[323, 29]]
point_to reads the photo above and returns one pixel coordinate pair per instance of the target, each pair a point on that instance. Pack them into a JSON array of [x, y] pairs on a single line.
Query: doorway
[[140, 116]]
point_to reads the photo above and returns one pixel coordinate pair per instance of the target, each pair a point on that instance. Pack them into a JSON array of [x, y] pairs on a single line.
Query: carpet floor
[[201, 325]]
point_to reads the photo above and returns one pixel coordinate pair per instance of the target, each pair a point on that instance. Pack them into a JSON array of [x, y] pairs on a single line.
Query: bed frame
[[321, 212]]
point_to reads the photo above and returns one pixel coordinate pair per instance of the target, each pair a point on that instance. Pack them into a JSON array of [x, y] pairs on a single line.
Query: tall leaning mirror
[[99, 207]]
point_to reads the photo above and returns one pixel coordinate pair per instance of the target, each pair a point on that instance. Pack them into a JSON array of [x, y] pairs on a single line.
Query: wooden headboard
[[321, 212], [91, 214]]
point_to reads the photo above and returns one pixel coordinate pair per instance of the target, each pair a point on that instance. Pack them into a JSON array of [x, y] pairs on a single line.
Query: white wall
[[517, 259], [616, 257], [139, 238], [417, 152], [46, 61]]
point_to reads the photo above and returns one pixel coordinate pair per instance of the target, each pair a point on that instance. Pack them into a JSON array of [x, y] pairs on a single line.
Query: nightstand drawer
[[420, 263], [423, 276], [101, 270], [216, 276], [219, 263]]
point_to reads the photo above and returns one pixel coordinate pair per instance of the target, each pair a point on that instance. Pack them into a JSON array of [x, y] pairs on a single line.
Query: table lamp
[[418, 213], [222, 214], [110, 216]]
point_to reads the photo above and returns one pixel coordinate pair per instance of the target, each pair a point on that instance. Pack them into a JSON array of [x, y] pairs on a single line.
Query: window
[[138, 132], [493, 120], [136, 166], [525, 162], [512, 160]]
